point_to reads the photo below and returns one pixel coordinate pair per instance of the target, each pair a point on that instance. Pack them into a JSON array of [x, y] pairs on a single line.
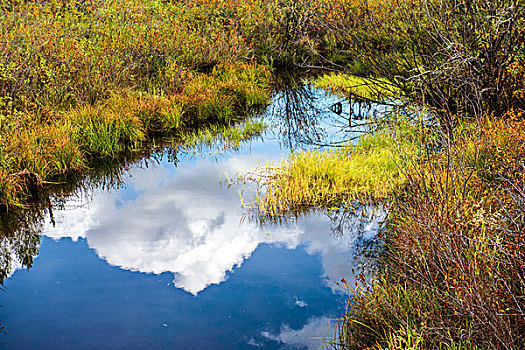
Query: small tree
[[462, 58]]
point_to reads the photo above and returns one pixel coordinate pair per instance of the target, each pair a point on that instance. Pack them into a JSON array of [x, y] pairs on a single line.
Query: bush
[[459, 57], [453, 268]]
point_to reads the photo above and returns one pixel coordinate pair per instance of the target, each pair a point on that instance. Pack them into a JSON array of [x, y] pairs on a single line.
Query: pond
[[167, 258]]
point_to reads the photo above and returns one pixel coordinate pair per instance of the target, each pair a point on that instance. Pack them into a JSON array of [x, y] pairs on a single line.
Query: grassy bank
[[69, 140], [452, 272]]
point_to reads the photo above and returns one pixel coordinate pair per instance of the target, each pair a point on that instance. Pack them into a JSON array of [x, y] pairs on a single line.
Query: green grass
[[359, 87], [225, 136], [102, 132], [370, 170]]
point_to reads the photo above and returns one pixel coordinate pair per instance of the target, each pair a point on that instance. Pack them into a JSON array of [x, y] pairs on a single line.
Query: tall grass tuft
[[105, 133], [320, 178]]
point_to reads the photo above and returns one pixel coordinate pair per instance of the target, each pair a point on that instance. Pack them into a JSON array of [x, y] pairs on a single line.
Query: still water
[[169, 259]]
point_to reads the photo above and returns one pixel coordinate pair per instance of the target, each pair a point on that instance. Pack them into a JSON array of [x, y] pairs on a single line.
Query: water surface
[[170, 260]]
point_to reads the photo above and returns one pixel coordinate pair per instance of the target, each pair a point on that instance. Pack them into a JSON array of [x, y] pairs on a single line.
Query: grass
[[323, 178], [452, 272], [68, 141], [110, 76], [224, 136], [357, 86]]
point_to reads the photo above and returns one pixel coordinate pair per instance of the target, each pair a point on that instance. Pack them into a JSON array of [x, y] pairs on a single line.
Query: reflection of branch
[[362, 223], [353, 217], [296, 113], [19, 237], [304, 117]]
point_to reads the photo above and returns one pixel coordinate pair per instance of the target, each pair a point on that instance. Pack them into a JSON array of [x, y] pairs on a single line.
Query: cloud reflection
[[183, 221], [312, 336]]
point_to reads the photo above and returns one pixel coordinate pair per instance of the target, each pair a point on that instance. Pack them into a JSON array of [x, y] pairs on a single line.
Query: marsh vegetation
[[86, 82]]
